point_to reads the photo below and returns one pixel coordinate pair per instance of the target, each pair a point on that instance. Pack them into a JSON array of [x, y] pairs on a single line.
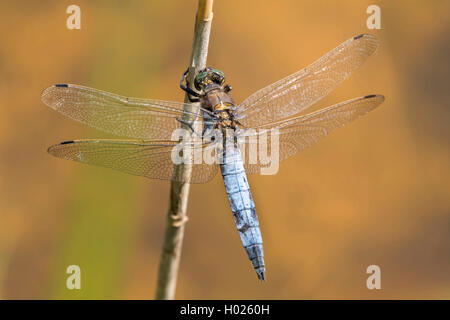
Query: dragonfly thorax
[[222, 106], [215, 96]]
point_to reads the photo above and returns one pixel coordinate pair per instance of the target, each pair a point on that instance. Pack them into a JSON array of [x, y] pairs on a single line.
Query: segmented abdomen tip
[[261, 275]]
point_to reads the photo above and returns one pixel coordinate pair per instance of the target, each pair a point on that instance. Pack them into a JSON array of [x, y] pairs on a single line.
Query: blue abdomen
[[243, 208]]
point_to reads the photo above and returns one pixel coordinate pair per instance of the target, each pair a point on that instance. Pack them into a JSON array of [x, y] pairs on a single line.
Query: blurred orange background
[[374, 192]]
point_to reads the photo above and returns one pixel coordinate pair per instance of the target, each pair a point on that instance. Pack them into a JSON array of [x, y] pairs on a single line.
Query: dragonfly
[[149, 124]]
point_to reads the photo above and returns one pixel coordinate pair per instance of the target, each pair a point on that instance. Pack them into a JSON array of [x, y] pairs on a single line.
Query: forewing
[[298, 133], [151, 159], [300, 90], [123, 116]]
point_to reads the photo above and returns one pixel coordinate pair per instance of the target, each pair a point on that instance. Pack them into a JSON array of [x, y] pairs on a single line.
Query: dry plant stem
[[179, 191]]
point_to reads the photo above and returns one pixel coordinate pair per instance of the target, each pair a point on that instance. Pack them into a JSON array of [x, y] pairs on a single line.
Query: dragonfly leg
[[189, 125], [186, 123], [186, 88], [208, 130]]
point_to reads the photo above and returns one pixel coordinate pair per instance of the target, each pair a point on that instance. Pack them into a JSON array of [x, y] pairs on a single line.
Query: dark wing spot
[[61, 85], [67, 142], [358, 36], [370, 96]]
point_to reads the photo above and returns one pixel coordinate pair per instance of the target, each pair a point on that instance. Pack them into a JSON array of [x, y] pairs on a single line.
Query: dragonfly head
[[208, 79]]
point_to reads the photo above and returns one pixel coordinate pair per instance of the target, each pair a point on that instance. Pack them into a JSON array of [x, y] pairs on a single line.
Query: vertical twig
[[179, 191]]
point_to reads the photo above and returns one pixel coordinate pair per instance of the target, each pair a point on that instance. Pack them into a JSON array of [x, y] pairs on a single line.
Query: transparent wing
[[123, 116], [297, 133], [300, 90], [151, 159]]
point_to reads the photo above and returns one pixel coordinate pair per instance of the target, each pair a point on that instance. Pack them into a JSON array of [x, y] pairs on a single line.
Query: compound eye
[[200, 76], [218, 74], [218, 78], [215, 77], [198, 81]]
